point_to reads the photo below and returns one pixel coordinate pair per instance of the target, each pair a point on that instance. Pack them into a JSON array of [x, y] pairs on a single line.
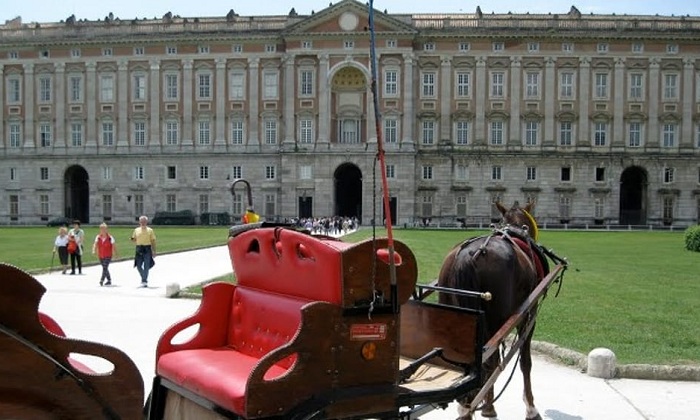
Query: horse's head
[[520, 217]]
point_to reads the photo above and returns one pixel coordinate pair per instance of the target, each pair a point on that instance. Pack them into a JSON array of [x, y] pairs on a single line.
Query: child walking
[[105, 248]]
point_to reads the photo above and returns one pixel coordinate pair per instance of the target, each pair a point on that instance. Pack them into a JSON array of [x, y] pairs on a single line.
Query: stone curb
[[632, 371]]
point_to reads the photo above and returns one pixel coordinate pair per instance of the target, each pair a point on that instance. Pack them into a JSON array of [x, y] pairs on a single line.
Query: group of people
[[327, 225], [70, 244]]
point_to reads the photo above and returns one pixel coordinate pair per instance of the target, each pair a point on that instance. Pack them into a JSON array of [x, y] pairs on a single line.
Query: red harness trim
[[530, 253]]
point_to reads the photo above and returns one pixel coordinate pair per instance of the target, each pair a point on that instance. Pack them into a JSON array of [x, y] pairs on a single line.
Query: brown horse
[[493, 264]]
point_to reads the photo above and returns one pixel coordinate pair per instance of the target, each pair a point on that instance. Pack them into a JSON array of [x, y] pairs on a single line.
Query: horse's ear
[[500, 208], [528, 208]]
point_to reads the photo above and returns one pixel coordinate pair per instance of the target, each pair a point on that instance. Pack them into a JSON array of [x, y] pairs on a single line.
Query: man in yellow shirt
[[145, 240]]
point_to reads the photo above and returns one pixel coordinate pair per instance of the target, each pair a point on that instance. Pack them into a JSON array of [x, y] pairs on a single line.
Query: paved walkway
[[132, 319]]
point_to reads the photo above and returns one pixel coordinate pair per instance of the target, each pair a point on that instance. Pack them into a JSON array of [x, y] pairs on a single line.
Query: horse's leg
[[526, 368], [488, 410]]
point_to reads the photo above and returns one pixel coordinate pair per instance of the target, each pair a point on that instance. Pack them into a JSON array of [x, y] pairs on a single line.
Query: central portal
[[348, 191]]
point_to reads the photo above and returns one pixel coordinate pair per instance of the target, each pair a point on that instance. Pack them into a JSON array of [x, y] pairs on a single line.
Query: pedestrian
[[60, 245], [145, 240], [106, 248], [76, 257]]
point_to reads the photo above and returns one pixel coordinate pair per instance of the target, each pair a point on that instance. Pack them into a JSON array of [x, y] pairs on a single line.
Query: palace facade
[[596, 118]]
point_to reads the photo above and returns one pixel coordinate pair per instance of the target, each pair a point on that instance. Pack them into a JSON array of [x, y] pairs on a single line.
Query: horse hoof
[[489, 413], [537, 417]]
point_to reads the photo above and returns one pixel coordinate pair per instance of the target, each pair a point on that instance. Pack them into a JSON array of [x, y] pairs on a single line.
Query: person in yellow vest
[[250, 216], [145, 240]]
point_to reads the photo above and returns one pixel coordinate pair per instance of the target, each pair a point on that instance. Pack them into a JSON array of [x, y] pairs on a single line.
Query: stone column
[[370, 129], [445, 98], [254, 101], [187, 99], [91, 104], [324, 99], [5, 143], [409, 111], [516, 75], [652, 132], [481, 91], [60, 104], [220, 89], [550, 96], [154, 139], [584, 94], [618, 128], [687, 135], [123, 104], [29, 138], [289, 99]]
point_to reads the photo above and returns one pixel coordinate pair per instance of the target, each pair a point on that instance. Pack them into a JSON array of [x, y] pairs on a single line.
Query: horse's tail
[[466, 277]]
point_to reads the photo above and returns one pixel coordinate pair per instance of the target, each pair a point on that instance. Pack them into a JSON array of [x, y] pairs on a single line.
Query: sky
[[54, 11]]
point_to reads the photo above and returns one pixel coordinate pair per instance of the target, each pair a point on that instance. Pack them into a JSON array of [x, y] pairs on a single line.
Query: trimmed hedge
[[692, 238], [183, 217]]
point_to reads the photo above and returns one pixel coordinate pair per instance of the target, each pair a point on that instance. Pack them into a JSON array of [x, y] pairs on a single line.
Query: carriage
[[310, 330]]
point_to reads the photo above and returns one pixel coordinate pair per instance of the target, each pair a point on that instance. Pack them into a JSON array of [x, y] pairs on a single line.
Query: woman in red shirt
[[105, 248]]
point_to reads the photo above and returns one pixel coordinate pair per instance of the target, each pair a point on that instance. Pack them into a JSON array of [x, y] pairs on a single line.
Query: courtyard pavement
[[132, 318]]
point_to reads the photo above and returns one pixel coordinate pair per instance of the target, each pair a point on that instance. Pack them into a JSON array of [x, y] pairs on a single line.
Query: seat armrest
[[212, 316]]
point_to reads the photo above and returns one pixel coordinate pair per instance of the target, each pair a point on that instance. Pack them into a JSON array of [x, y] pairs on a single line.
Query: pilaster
[[29, 138], [549, 95], [584, 94], [154, 139], [516, 75], [186, 100], [254, 101], [60, 104], [445, 97], [2, 107], [289, 99], [220, 84], [91, 102], [618, 129], [123, 103], [409, 111], [324, 98], [481, 90], [653, 133], [687, 135]]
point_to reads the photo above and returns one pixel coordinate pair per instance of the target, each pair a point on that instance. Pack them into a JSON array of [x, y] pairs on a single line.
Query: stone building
[[594, 117]]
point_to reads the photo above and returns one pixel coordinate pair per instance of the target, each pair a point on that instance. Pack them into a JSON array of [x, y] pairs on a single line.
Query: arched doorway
[[348, 190], [77, 193], [633, 196]]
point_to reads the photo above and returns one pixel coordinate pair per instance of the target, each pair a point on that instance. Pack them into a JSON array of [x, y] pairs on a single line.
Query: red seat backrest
[[290, 263]]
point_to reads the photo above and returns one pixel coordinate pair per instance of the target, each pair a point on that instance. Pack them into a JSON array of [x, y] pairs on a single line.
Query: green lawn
[[30, 247]]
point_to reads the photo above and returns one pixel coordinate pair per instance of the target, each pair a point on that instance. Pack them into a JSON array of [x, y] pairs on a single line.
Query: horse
[[494, 264]]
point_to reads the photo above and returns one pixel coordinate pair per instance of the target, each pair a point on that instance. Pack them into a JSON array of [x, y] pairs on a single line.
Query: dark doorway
[[306, 207], [633, 196], [77, 194], [392, 209], [348, 191]]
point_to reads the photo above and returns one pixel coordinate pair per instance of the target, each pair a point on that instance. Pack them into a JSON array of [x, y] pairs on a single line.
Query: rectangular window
[[107, 88], [565, 208], [602, 47], [428, 85], [427, 172], [390, 171], [565, 174], [599, 174], [461, 172], [204, 86], [76, 89], [391, 83], [138, 205], [461, 208], [533, 47], [14, 91], [636, 86], [14, 207], [496, 133], [237, 87], [307, 45], [497, 83], [237, 48], [15, 135], [462, 133], [670, 86], [601, 85], [203, 203], [237, 203], [45, 89], [171, 87], [349, 131], [305, 172], [496, 173], [567, 47], [566, 85], [46, 134], [270, 205], [532, 130], [139, 51], [76, 134], [107, 52], [204, 133], [391, 130], [139, 133], [306, 83], [427, 206], [498, 46], [669, 135], [270, 48], [139, 92], [203, 49], [13, 55], [44, 205], [204, 172], [172, 133], [600, 133], [44, 173], [106, 173], [171, 50], [15, 177], [306, 131], [599, 209], [270, 85], [270, 172], [697, 136], [428, 132], [634, 130], [463, 84], [531, 173], [532, 85], [668, 208], [237, 172], [107, 206], [637, 47], [171, 173], [237, 131], [391, 43], [464, 47], [170, 202], [566, 130], [429, 46], [75, 52], [138, 173], [270, 131], [672, 48], [108, 133]]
